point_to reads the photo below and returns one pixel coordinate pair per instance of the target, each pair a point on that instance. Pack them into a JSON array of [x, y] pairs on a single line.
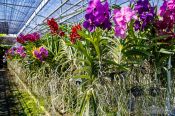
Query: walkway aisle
[[9, 104]]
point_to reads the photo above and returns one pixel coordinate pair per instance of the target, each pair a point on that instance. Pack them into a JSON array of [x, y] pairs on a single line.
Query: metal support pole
[[169, 85]]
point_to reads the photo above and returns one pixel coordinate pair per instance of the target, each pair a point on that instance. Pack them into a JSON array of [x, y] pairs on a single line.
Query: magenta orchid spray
[[121, 18], [97, 15], [21, 51]]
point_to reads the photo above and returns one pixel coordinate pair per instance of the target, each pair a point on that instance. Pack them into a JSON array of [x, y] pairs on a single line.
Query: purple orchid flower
[[97, 15]]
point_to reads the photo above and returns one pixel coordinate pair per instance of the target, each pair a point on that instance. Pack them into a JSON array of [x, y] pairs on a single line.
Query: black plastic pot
[[137, 91], [154, 91], [112, 76]]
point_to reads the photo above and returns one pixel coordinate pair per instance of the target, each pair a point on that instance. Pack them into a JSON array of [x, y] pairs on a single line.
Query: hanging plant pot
[[78, 81], [137, 91], [112, 75], [121, 75], [154, 91]]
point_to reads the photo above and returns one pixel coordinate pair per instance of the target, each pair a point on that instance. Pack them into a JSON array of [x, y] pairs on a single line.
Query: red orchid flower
[[74, 33]]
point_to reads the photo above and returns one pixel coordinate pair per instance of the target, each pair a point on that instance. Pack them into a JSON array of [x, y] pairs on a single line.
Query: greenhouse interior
[[87, 57]]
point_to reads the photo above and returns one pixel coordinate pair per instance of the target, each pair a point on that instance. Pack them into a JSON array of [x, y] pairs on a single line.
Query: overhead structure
[[65, 11], [15, 13], [27, 16]]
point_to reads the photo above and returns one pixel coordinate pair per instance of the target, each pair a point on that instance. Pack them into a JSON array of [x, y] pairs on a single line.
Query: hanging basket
[[154, 91], [137, 91]]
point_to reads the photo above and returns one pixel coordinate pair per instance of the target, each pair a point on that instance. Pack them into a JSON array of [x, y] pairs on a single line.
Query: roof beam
[[11, 20], [15, 9], [62, 3], [1, 3], [56, 9], [62, 13], [71, 15], [40, 7]]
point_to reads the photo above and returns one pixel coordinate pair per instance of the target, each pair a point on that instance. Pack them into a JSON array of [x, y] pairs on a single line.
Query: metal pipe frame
[[1, 3], [61, 22], [11, 20], [34, 11], [56, 9], [63, 12], [51, 14], [40, 7], [74, 14], [13, 6]]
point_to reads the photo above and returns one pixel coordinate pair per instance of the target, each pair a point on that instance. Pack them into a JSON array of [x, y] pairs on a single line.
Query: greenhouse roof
[[15, 13], [26, 16]]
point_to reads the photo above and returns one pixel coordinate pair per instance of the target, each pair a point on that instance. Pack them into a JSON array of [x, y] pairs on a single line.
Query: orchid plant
[[101, 64]]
